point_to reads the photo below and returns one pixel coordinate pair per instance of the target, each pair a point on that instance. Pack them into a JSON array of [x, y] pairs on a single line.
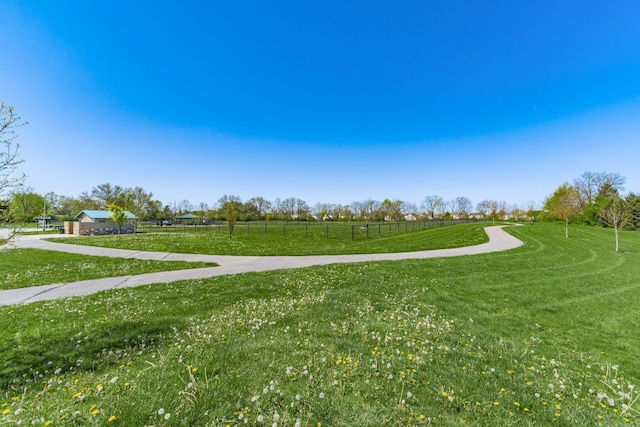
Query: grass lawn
[[546, 334], [291, 244], [21, 268]]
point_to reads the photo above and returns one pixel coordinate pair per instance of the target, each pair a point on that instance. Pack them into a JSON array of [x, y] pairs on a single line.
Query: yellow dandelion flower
[[48, 423], [111, 418], [516, 404], [496, 403], [6, 411], [95, 411], [127, 384]]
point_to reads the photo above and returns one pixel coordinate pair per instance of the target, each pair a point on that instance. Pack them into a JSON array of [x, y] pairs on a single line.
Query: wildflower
[[167, 416], [160, 411], [111, 418], [260, 418], [321, 395], [6, 411]]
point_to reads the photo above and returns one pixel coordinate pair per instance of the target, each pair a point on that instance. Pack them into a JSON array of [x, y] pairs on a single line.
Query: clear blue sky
[[327, 101]]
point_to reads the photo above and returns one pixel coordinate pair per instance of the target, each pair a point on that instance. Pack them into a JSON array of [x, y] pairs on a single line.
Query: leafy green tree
[[564, 204], [633, 204], [119, 216], [594, 189], [26, 204]]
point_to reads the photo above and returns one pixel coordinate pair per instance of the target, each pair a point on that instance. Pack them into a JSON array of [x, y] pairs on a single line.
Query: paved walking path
[[499, 240]]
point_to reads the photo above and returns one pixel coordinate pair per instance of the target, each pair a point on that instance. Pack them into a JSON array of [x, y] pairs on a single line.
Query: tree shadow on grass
[[38, 356]]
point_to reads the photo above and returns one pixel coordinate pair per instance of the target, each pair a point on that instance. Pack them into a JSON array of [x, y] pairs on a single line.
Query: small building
[[94, 222]]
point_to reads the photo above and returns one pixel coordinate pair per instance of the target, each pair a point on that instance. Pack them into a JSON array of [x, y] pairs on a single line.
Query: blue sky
[[326, 101]]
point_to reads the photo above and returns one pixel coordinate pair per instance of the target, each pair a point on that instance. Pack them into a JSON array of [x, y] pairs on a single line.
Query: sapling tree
[[564, 204], [9, 158], [231, 206], [616, 215], [119, 216]]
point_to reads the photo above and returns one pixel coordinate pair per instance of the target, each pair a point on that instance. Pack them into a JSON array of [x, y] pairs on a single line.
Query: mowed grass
[[545, 334], [292, 244], [21, 268]]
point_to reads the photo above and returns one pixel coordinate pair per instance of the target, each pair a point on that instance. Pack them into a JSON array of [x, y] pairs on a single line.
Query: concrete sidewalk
[[499, 240]]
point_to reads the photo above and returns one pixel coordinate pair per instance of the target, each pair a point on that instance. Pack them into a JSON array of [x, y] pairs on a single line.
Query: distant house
[[91, 222]]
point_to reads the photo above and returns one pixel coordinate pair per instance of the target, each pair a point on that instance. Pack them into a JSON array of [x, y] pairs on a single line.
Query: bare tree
[[590, 183], [9, 158], [288, 207], [302, 209], [531, 210], [261, 205], [433, 204], [484, 207], [359, 210], [616, 215], [410, 209], [463, 205]]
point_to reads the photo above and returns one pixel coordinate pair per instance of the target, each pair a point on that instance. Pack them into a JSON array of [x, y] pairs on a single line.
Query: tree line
[[25, 204], [595, 198]]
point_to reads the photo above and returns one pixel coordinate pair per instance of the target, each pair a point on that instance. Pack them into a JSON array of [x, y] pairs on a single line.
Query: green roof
[[187, 216], [100, 214]]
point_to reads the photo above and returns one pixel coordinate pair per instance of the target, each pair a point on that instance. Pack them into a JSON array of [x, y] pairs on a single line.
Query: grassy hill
[[545, 334]]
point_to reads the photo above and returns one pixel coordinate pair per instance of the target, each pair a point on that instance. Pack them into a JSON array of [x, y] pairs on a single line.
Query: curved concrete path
[[499, 240]]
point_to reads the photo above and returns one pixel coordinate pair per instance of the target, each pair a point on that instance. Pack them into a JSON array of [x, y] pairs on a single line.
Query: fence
[[302, 229]]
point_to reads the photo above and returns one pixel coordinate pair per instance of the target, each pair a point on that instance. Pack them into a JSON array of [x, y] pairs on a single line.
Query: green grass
[[291, 244], [533, 336], [21, 268]]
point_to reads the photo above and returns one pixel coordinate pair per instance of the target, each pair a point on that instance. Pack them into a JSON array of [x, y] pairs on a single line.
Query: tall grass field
[[546, 334]]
